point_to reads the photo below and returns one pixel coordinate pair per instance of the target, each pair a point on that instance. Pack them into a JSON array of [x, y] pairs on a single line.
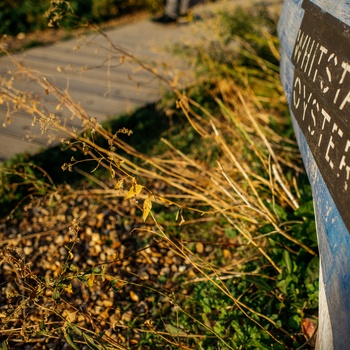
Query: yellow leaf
[[91, 280], [147, 206], [69, 289], [71, 255], [119, 184], [165, 201], [134, 191]]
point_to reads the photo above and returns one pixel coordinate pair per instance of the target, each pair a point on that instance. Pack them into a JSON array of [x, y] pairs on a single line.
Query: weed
[[28, 16]]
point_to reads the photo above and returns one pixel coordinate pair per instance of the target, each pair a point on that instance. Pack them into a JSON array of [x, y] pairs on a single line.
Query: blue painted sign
[[321, 98], [315, 73]]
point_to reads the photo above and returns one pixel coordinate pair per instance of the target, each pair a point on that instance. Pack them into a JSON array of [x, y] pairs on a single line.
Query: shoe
[[164, 19], [187, 16]]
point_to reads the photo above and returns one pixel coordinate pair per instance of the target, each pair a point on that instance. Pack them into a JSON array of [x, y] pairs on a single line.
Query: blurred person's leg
[[172, 10], [170, 13], [184, 7]]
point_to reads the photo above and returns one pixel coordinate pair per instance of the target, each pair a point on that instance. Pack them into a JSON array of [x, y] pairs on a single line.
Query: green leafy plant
[[27, 16]]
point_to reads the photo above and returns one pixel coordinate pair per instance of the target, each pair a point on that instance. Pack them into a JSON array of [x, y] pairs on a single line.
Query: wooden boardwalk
[[96, 78]]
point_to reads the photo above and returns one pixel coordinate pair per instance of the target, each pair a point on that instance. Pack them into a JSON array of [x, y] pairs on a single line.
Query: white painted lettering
[[306, 102], [346, 68], [307, 55], [336, 96], [323, 51], [299, 45], [314, 103], [324, 88], [333, 58], [343, 164], [328, 158], [345, 101], [313, 60], [296, 100], [327, 118]]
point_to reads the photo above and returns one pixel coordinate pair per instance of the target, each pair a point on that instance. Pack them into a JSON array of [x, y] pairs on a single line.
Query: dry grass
[[241, 188]]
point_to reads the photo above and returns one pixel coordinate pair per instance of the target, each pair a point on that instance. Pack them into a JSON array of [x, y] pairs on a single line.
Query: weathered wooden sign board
[[315, 72]]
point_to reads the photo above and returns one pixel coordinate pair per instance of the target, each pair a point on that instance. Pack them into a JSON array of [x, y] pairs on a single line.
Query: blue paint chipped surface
[[334, 248], [333, 237], [337, 8]]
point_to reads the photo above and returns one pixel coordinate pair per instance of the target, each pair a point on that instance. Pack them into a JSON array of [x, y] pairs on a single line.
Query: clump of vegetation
[[26, 16], [206, 241]]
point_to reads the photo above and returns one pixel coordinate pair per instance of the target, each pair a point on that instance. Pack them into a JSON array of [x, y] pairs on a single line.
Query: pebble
[[144, 275], [62, 251], [59, 239], [95, 239], [154, 259], [164, 271], [103, 256], [127, 316], [199, 247], [182, 268], [134, 296], [27, 250], [107, 303], [227, 254]]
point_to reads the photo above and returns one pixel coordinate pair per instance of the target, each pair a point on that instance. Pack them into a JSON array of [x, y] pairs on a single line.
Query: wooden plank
[[72, 65], [14, 144], [101, 94], [314, 38]]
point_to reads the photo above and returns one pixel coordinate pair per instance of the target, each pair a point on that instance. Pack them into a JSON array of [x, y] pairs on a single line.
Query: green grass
[[26, 16]]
